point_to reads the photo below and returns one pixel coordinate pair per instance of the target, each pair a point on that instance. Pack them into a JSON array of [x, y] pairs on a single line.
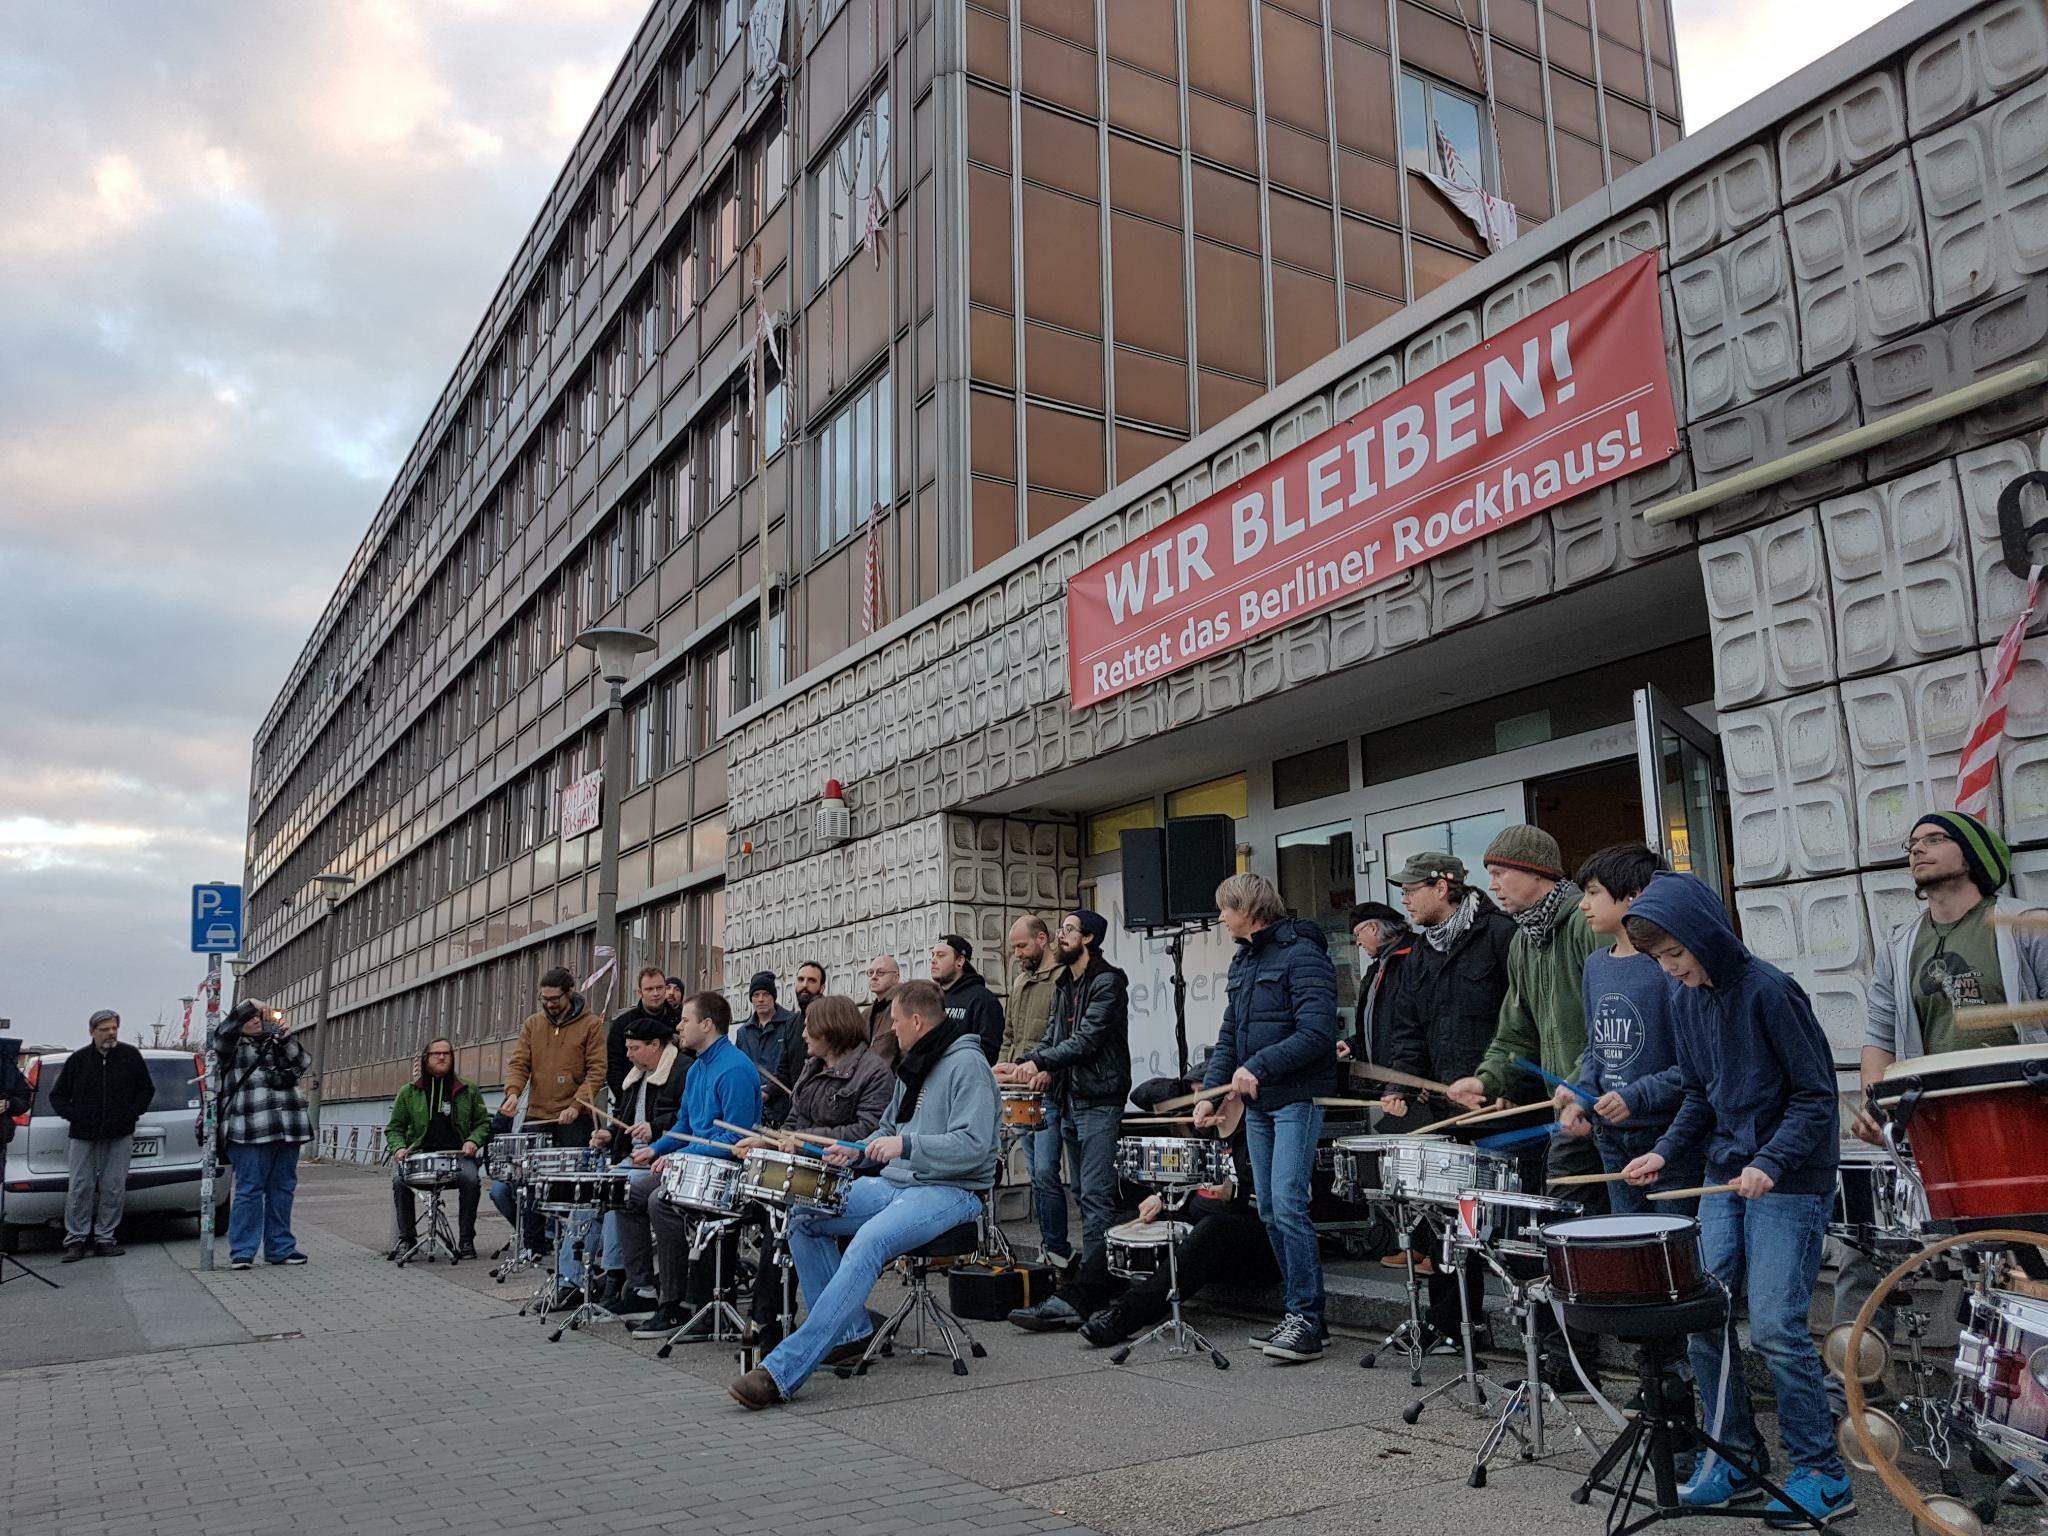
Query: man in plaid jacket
[[263, 1123]]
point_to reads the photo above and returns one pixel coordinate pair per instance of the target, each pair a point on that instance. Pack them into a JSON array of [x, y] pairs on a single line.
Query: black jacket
[[969, 1001], [15, 1098], [664, 1102], [1279, 1015], [1369, 1038], [1087, 1044], [103, 1095], [616, 1066], [1441, 1008]]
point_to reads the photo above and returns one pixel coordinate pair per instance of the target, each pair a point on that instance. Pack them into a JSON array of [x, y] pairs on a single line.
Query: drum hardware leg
[[1408, 1335], [708, 1234], [918, 1305], [587, 1311], [1522, 1414], [437, 1235], [1648, 1451], [1468, 1375], [1174, 1330]]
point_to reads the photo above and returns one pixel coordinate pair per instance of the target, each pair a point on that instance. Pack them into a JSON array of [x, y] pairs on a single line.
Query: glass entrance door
[[1461, 825], [1684, 790]]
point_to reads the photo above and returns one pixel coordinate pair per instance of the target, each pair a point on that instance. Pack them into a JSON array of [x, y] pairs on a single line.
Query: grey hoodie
[[952, 1134]]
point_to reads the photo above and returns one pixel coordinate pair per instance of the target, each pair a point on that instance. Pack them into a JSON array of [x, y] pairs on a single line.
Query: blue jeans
[[884, 1221], [1621, 1145], [1282, 1144], [266, 1177], [508, 1207], [1770, 1249], [576, 1232], [1088, 1137]]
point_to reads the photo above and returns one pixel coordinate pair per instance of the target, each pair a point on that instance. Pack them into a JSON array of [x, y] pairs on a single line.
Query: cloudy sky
[[242, 242]]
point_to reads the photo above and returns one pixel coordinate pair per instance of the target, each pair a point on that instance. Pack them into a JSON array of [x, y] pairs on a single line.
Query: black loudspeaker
[[1201, 853], [1144, 856]]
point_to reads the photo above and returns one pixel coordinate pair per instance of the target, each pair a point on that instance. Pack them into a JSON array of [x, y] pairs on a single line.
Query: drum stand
[[437, 1233], [1407, 1335], [1468, 1372], [1521, 1415], [589, 1249], [1173, 1330], [992, 1246], [708, 1233], [777, 1254], [515, 1255], [542, 1301]]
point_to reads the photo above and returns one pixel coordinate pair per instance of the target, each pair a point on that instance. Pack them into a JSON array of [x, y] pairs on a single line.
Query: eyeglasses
[[432, 1054], [1929, 840]]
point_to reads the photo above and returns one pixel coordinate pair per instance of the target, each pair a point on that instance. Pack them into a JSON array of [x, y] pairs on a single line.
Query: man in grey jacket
[[925, 1169]]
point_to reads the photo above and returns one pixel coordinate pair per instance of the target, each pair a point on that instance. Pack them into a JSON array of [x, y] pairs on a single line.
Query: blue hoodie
[[1758, 1076], [722, 1085]]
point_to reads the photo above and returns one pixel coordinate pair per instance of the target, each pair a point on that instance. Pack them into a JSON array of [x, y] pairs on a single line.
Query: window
[[725, 451], [714, 694], [1105, 829], [640, 734], [679, 278], [855, 170], [853, 471], [768, 167], [774, 401], [675, 720], [722, 225], [679, 490], [1426, 108], [730, 22]]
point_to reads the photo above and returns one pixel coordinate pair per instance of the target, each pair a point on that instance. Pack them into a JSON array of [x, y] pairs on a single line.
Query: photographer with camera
[[263, 1123]]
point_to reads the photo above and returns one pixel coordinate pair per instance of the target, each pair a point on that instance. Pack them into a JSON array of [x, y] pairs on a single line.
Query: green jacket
[[413, 1109], [1543, 1016]]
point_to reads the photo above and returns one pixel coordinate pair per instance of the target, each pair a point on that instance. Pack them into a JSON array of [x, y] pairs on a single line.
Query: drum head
[[1612, 1229], [1142, 1233], [1988, 1064]]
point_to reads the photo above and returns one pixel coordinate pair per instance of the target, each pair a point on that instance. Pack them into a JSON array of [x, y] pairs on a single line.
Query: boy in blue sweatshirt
[[1629, 1074], [1759, 1093]]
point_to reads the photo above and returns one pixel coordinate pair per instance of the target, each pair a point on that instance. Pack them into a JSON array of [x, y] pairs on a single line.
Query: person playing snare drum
[[438, 1112]]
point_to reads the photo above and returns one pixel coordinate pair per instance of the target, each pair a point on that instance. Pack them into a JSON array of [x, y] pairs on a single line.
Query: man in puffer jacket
[[1276, 1051], [924, 1171]]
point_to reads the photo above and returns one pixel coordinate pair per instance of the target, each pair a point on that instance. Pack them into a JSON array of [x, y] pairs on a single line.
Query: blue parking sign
[[216, 919]]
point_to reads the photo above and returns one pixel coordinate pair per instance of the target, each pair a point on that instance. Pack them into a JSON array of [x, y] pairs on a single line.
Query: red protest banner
[[1566, 400]]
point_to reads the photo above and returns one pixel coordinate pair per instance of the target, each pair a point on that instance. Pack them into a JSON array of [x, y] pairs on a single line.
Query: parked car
[[163, 1176]]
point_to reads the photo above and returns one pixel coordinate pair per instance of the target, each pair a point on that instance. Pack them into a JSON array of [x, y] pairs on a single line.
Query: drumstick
[[1159, 1119], [1565, 1179], [1478, 1115], [1349, 1103], [1193, 1098], [1687, 1194], [788, 1091], [615, 1120], [2033, 917], [1381, 1074], [2001, 1015], [1470, 1114]]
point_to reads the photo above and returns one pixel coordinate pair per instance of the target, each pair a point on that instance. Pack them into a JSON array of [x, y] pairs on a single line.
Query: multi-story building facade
[[896, 298]]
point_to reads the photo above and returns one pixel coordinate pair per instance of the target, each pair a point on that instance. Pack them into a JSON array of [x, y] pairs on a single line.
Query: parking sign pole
[[206, 1113]]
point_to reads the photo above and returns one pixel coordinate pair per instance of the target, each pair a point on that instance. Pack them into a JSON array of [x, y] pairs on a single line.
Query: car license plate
[[147, 1146]]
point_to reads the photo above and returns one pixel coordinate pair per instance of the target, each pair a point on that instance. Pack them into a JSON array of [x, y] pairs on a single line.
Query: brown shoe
[[755, 1390], [1424, 1265], [848, 1354]]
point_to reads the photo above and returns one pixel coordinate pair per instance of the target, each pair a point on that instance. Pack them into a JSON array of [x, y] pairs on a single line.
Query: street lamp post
[[615, 650], [333, 886], [241, 969]]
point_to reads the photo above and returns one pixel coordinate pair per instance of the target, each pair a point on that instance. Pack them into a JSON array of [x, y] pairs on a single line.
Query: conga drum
[[1978, 1125]]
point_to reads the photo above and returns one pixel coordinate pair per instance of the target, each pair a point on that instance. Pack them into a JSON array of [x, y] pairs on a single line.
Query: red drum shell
[[1623, 1260], [1981, 1152]]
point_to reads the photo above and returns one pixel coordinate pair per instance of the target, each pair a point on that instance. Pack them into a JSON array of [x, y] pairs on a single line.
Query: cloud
[[1729, 50], [246, 247]]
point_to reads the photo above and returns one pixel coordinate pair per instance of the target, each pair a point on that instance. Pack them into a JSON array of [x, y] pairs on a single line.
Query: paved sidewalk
[[350, 1396]]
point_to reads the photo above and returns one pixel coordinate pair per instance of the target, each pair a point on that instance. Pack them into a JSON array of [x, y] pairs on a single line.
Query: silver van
[[163, 1176]]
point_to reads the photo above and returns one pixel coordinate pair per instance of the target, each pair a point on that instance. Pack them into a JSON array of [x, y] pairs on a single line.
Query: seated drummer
[[924, 1173], [1759, 1085], [438, 1112], [649, 1098], [841, 1095], [722, 1084]]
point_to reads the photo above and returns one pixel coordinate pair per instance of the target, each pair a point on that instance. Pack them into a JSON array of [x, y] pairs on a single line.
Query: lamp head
[[333, 884], [615, 649]]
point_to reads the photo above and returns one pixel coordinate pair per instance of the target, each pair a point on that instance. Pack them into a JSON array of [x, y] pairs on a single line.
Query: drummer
[[722, 1084], [841, 1095], [438, 1112], [1946, 957], [649, 1098], [1760, 1097]]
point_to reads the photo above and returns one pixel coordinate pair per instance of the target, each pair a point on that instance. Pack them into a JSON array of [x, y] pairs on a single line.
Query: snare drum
[[1355, 1164], [1023, 1109], [433, 1170], [1877, 1202], [505, 1156], [1172, 1162], [1137, 1249], [1997, 1390], [1437, 1172], [565, 1179], [1623, 1260], [1978, 1123], [786, 1179], [1507, 1222], [702, 1183]]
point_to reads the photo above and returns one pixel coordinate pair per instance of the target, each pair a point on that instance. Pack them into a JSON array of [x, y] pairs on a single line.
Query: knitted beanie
[[1985, 854], [1529, 848]]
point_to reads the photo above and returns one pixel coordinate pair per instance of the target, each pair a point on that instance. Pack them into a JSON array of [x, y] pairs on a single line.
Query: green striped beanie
[[1985, 853]]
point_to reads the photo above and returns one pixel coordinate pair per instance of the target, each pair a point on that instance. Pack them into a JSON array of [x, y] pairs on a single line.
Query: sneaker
[[1453, 1344], [850, 1352], [633, 1304], [1264, 1336], [660, 1323], [1052, 1315], [396, 1249], [1056, 1261], [1296, 1340], [567, 1298], [1811, 1494], [467, 1250], [108, 1250], [73, 1252], [290, 1258], [243, 1264], [1721, 1486]]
